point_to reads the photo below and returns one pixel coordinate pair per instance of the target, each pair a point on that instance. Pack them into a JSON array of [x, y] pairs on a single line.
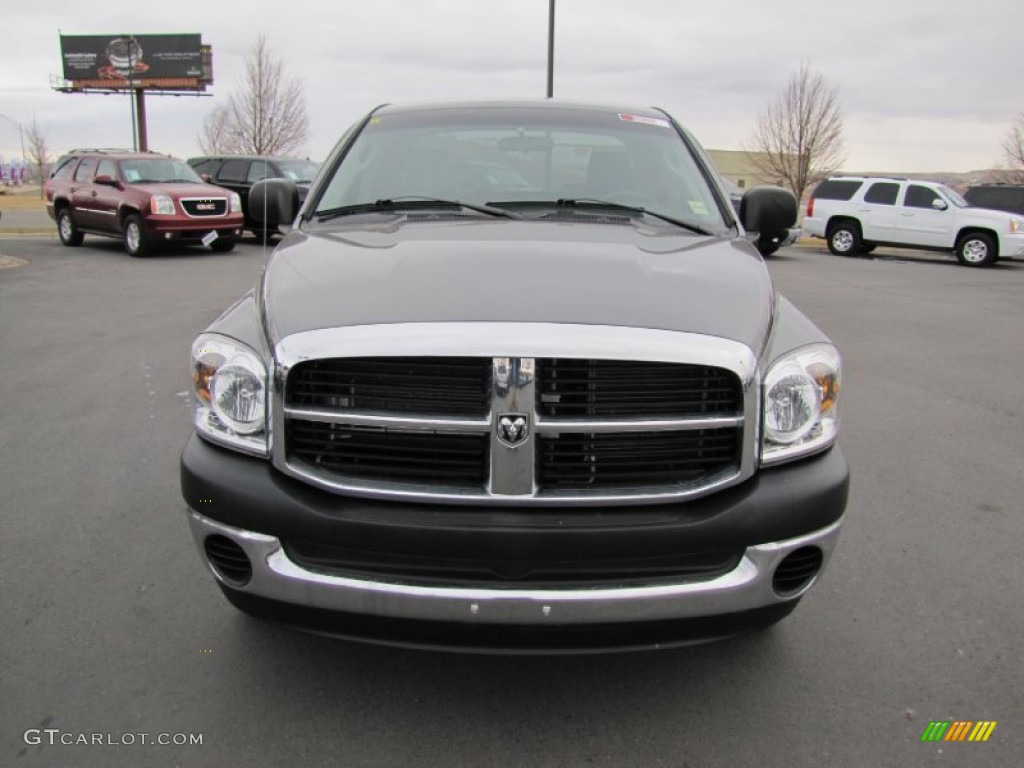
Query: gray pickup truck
[[516, 380]]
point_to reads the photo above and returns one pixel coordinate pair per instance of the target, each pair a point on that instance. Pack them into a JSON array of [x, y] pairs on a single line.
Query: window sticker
[[130, 174], [698, 207], [645, 120]]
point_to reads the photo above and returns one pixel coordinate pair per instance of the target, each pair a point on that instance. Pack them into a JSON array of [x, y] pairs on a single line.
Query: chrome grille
[[586, 430], [199, 207]]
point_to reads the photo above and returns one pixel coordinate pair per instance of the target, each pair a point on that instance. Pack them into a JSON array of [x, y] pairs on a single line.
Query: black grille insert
[[570, 461], [387, 454], [634, 389], [458, 386], [468, 571]]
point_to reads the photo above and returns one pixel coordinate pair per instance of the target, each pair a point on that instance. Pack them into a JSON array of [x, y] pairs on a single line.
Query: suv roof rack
[[112, 151]]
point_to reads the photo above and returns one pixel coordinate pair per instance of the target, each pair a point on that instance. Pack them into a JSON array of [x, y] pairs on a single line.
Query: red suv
[[144, 198]]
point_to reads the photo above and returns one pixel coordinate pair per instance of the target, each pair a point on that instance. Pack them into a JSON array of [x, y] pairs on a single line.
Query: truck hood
[[518, 271]]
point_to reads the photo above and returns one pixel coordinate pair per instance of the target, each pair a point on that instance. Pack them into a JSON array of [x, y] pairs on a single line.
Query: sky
[[923, 86]]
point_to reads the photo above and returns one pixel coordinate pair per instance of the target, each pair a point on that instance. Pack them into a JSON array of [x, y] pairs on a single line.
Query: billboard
[[122, 58]]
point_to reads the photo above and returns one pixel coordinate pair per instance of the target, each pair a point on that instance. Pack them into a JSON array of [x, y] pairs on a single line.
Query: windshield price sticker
[[645, 120]]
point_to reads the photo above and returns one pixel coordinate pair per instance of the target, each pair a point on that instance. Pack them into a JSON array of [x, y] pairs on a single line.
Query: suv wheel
[[67, 229], [976, 250], [135, 237], [844, 239]]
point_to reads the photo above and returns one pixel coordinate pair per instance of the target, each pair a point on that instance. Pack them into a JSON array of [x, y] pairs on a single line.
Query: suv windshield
[[523, 158], [162, 170], [298, 170]]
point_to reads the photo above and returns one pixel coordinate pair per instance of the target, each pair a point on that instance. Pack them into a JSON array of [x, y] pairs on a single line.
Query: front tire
[[68, 230], [223, 244], [135, 237], [844, 239], [977, 250]]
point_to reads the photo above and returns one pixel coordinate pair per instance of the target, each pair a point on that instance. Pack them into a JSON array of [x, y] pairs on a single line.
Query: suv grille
[[512, 430], [214, 206]]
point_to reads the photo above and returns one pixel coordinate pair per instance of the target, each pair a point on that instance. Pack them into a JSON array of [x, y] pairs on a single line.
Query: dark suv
[[999, 197], [144, 198], [239, 172]]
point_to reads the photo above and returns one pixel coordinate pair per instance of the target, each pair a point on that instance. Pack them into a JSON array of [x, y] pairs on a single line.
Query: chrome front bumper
[[746, 587]]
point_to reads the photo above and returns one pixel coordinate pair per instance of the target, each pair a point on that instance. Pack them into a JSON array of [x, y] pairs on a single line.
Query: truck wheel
[[844, 239], [134, 237], [977, 250], [223, 244], [67, 229]]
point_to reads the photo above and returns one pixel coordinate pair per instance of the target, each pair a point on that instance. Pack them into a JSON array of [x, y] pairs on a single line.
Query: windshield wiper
[[587, 202], [411, 202], [583, 203]]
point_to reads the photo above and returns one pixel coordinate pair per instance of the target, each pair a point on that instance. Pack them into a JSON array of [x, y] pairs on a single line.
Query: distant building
[[741, 169]]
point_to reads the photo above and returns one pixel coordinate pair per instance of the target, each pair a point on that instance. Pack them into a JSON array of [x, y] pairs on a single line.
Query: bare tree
[[1013, 151], [216, 137], [266, 117], [799, 136], [38, 151]]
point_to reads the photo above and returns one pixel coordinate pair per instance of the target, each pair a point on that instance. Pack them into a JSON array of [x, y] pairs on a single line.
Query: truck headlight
[[801, 392], [230, 386], [236, 203], [161, 204]]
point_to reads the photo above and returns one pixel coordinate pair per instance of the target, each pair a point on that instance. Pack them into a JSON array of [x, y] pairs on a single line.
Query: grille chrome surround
[[195, 207], [514, 473]]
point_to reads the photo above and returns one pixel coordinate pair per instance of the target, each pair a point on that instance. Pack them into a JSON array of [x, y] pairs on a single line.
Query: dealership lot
[[113, 628]]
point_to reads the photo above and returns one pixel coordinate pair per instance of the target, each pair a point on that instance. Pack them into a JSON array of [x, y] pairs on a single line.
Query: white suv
[[856, 213]]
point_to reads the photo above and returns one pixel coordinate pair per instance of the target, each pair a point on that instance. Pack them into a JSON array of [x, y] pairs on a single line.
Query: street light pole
[[551, 48], [21, 134]]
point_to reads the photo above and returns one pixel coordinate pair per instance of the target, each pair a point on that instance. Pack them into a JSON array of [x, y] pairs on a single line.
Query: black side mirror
[[274, 202], [768, 209]]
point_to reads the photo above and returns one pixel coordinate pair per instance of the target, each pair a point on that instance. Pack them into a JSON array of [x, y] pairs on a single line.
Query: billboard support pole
[[140, 110], [131, 95]]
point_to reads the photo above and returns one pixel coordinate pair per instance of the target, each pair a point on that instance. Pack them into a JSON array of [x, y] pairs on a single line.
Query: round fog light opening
[[797, 570], [228, 559]]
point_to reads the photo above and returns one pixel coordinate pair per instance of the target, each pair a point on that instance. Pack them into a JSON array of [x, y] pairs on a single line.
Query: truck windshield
[[523, 158]]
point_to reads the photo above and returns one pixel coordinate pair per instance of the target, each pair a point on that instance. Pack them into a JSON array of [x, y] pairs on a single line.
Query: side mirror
[[206, 178], [939, 205], [768, 209], [105, 180], [274, 202]]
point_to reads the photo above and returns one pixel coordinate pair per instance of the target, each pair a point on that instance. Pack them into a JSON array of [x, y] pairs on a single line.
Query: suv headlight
[[230, 387], [236, 203], [161, 204], [1016, 227], [800, 391]]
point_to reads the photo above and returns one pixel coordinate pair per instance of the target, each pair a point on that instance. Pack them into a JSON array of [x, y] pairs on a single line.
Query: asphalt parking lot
[[112, 626]]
